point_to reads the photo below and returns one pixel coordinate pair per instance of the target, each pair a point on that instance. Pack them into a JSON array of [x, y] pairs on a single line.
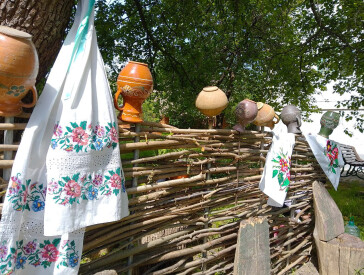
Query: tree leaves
[[274, 52]]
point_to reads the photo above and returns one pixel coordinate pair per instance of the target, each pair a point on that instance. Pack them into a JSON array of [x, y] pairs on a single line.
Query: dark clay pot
[[246, 111], [291, 117], [329, 121]]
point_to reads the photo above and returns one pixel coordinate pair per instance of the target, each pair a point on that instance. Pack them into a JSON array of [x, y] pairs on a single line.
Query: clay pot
[[18, 70], [164, 120], [211, 101], [246, 111], [329, 121], [265, 116], [179, 177], [135, 84], [291, 117]]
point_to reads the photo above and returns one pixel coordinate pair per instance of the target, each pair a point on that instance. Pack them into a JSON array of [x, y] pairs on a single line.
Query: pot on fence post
[[266, 116], [246, 111], [211, 101], [329, 121], [18, 70], [291, 117], [135, 84]]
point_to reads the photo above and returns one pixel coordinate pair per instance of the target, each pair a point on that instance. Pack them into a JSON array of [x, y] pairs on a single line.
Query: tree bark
[[46, 20]]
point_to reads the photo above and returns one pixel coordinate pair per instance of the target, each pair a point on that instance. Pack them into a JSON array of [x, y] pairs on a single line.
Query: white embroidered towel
[[328, 155], [277, 170], [85, 179], [96, 178], [23, 247]]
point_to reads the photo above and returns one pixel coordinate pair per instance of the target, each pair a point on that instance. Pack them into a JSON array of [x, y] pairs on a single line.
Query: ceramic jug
[[135, 84], [18, 70], [329, 121], [265, 116], [291, 117], [246, 111], [211, 101]]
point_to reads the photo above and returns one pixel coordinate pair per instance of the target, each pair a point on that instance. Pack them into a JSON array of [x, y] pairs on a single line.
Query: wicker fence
[[188, 191]]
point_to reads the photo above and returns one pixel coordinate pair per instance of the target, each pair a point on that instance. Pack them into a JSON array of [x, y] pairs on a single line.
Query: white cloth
[[328, 155], [67, 172], [277, 170]]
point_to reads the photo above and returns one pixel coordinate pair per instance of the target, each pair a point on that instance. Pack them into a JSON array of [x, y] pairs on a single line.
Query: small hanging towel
[[277, 170], [67, 172], [328, 155]]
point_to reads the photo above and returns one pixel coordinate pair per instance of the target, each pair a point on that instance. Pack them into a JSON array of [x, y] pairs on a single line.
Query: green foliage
[[350, 199], [276, 51]]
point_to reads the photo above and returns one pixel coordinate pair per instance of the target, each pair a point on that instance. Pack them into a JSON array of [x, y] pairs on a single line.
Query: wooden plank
[[107, 272], [8, 147], [343, 255], [252, 252], [4, 163], [12, 126], [344, 262], [329, 221]]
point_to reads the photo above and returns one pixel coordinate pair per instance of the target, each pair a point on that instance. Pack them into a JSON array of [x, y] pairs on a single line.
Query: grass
[[349, 197]]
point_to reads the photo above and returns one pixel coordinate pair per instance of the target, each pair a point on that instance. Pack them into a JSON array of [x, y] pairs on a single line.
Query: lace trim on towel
[[66, 164]]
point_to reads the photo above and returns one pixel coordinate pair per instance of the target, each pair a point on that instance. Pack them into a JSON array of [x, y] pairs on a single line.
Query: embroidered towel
[[85, 179], [277, 170], [328, 155], [73, 116]]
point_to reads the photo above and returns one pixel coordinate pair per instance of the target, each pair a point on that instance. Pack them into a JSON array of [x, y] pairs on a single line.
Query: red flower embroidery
[[114, 134], [50, 253], [115, 181], [284, 165], [72, 189], [80, 136]]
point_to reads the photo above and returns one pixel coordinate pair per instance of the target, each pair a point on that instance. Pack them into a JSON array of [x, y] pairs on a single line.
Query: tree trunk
[[46, 20]]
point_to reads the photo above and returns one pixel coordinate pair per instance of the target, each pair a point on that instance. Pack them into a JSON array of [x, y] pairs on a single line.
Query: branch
[[322, 26], [157, 45]]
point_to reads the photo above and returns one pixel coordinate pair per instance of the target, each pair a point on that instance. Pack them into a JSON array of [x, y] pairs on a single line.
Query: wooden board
[[329, 221], [252, 252], [343, 255]]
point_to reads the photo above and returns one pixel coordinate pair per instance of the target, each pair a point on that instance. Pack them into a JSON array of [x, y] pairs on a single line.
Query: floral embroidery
[[28, 196], [38, 254], [79, 138], [74, 189], [332, 152], [282, 169]]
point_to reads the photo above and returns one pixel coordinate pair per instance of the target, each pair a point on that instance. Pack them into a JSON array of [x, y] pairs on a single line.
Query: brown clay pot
[[246, 111], [291, 117], [18, 70], [211, 101], [164, 120], [135, 84], [265, 116]]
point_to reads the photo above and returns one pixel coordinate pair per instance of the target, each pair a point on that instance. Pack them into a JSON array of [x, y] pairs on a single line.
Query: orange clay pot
[[265, 116], [135, 83], [18, 70], [179, 177]]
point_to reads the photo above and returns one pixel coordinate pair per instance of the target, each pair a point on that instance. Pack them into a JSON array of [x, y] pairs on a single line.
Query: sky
[[327, 100]]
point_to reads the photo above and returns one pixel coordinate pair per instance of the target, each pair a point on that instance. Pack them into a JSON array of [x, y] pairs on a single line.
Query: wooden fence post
[[252, 254], [134, 184]]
